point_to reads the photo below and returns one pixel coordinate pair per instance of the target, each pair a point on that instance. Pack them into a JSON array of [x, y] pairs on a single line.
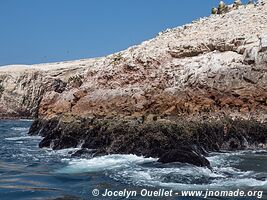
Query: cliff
[[216, 64], [22, 87], [211, 69]]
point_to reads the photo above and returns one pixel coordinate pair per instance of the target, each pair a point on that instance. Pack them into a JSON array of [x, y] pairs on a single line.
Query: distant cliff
[[213, 68]]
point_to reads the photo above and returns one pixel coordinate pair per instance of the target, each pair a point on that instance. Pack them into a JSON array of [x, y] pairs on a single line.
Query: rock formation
[[203, 84], [22, 87]]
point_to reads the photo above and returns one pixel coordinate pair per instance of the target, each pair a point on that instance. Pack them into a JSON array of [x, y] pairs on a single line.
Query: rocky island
[[193, 89]]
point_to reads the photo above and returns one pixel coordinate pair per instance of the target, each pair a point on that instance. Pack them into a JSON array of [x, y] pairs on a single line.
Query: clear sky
[[37, 31]]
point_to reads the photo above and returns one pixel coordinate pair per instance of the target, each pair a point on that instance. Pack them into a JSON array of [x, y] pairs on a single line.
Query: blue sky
[[37, 31]]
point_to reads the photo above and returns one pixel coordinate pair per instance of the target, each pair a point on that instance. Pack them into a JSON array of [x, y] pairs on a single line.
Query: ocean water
[[30, 173]]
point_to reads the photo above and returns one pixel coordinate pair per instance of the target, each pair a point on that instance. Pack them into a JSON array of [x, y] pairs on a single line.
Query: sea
[[28, 172]]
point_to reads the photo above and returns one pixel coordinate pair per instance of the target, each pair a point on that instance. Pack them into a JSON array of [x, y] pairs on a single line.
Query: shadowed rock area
[[179, 141], [196, 88]]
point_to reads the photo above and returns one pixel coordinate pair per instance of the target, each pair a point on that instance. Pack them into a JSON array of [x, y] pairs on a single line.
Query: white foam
[[237, 182], [61, 152], [26, 120], [153, 178], [20, 129], [129, 169], [103, 163], [258, 151], [191, 177], [156, 176], [224, 159], [24, 138], [230, 184]]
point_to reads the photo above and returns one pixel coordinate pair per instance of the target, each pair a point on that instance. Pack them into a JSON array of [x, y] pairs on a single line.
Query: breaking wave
[[20, 128], [141, 171], [103, 163], [24, 138]]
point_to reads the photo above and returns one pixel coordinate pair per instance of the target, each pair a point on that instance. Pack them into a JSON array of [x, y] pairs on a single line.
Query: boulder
[[185, 156]]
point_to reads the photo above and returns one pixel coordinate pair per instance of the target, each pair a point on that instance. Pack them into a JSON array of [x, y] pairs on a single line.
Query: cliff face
[[210, 69], [20, 94], [22, 87], [215, 65]]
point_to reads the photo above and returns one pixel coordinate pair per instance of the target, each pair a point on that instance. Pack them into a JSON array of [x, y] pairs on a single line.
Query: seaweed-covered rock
[[171, 141]]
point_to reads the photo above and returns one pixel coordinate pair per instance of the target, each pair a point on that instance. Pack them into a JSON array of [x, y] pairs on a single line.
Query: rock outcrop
[[23, 87], [215, 65], [136, 101]]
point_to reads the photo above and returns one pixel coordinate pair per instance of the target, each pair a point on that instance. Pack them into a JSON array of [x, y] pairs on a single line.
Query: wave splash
[[141, 171], [109, 162], [24, 138]]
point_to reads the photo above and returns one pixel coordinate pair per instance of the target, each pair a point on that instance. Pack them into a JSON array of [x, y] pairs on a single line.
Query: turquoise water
[[30, 173]]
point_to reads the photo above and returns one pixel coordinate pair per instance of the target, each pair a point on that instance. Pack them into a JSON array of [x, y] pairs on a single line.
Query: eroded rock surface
[[23, 87], [214, 65]]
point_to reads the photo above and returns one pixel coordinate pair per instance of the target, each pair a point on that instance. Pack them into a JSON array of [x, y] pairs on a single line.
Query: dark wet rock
[[88, 153], [243, 134], [177, 141], [35, 127], [184, 155], [46, 142], [43, 127], [64, 142]]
